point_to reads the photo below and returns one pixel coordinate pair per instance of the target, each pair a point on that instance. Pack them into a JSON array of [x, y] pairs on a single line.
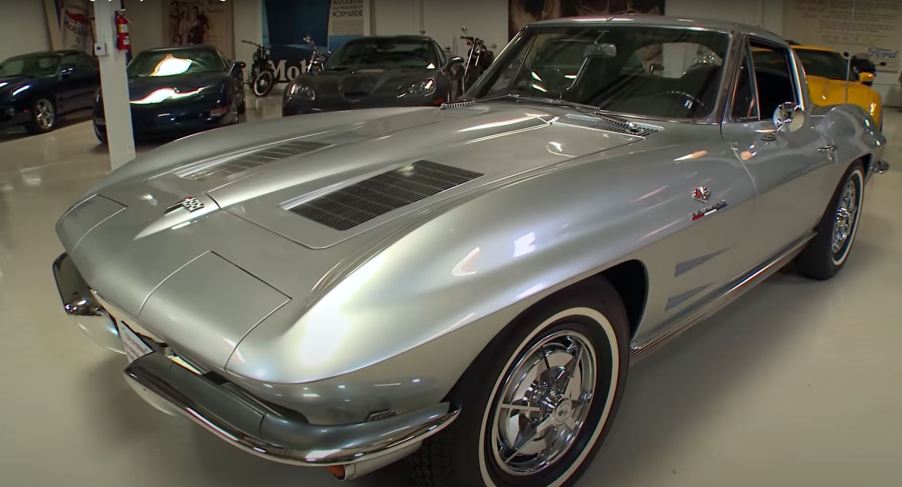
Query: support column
[[114, 85]]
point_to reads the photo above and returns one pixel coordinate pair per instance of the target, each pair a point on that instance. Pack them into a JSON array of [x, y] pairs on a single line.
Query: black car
[[37, 88], [178, 91], [377, 71]]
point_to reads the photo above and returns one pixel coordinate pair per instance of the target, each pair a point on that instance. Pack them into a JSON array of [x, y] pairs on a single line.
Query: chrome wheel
[[845, 217], [44, 114], [543, 403]]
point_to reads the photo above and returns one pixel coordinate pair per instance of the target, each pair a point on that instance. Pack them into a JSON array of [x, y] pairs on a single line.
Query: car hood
[[261, 182], [143, 88], [10, 84], [359, 83], [203, 279], [826, 92]]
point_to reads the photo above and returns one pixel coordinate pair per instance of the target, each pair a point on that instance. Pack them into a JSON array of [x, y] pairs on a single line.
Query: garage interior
[[796, 383]]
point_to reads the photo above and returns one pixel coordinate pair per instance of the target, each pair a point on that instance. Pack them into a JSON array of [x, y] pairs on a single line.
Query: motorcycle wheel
[[263, 83]]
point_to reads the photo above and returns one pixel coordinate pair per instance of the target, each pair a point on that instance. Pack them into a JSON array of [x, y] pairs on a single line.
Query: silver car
[[467, 285]]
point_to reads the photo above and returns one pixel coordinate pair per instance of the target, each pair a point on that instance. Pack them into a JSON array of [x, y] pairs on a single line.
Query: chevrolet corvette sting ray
[[466, 285]]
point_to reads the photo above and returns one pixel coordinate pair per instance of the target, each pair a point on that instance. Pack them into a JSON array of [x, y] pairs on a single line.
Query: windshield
[[173, 63], [650, 71], [30, 65], [826, 64], [384, 53]]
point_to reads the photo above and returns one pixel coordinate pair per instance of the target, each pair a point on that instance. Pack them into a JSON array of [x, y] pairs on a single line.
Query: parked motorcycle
[[478, 59], [262, 77], [317, 59]]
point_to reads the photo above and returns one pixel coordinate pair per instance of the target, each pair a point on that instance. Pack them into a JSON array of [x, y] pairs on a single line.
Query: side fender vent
[[363, 201], [229, 167]]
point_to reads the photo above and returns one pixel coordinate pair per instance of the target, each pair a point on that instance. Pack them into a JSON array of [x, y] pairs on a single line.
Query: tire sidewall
[[856, 172], [601, 320]]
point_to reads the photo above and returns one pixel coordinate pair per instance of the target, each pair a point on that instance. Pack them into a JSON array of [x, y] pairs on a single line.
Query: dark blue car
[[37, 88], [178, 91]]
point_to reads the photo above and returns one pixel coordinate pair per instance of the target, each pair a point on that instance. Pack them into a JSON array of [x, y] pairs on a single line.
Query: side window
[[745, 105], [86, 63], [69, 61], [773, 76]]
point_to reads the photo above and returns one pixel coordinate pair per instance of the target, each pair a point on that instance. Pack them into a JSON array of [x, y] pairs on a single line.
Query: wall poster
[[869, 27], [346, 21], [522, 12], [208, 22], [71, 24]]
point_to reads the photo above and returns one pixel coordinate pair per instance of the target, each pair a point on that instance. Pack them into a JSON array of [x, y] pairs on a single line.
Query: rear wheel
[[263, 83], [43, 116], [827, 252], [538, 401]]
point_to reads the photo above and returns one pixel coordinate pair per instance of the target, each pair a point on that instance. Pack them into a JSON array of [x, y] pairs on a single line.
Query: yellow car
[[828, 84]]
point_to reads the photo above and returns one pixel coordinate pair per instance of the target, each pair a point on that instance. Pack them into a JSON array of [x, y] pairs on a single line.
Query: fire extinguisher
[[123, 43]]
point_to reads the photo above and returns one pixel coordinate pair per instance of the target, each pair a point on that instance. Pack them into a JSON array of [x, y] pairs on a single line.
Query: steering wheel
[[686, 96]]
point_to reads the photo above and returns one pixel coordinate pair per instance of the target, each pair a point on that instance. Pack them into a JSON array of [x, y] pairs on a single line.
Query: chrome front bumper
[[241, 419], [80, 303]]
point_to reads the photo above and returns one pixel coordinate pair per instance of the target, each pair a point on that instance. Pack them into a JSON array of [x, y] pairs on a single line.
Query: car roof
[[62, 52], [194, 47], [811, 47], [666, 21], [405, 37]]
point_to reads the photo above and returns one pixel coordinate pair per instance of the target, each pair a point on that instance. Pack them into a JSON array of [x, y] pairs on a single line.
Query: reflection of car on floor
[[829, 84], [37, 89], [467, 284], [178, 91], [377, 71]]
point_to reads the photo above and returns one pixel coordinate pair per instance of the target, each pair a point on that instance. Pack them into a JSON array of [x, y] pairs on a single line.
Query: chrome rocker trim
[[722, 297], [242, 420]]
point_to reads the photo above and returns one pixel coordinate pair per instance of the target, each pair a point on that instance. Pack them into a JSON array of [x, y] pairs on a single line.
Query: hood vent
[[465, 105], [363, 201], [251, 160], [608, 124]]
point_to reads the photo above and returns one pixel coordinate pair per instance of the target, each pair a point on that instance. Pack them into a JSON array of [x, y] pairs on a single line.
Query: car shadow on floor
[[19, 132]]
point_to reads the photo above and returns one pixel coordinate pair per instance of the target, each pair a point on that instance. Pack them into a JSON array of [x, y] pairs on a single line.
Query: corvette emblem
[[701, 194], [190, 203]]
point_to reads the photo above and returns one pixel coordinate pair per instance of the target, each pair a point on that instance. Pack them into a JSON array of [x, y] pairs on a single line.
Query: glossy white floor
[[796, 384]]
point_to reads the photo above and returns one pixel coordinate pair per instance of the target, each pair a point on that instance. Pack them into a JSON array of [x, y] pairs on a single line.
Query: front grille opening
[[350, 206]]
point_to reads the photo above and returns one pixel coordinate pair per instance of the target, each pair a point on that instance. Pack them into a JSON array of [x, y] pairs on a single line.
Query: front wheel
[[829, 249], [263, 83], [538, 401]]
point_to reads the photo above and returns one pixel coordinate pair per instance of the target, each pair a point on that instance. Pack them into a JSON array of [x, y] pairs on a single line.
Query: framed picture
[[190, 22]]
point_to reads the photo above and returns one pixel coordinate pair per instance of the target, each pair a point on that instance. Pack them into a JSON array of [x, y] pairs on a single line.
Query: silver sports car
[[467, 285]]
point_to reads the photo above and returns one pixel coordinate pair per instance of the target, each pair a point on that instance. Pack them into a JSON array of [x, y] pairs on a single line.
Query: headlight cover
[[302, 90], [420, 88]]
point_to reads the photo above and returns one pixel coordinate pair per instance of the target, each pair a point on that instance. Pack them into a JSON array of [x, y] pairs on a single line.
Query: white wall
[[146, 29], [762, 13], [248, 24], [23, 28]]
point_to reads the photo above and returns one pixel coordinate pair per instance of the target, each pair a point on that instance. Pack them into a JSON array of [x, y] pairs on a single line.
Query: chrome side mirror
[[788, 117]]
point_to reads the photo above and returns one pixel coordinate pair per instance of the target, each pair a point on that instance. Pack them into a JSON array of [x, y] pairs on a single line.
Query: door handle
[[829, 150]]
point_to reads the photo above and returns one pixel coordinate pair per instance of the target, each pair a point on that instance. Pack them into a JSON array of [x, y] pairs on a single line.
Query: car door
[[67, 84], [88, 78], [787, 166]]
